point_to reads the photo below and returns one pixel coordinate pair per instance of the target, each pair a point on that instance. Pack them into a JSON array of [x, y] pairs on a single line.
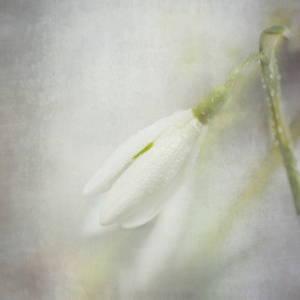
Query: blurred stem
[[281, 132], [249, 195]]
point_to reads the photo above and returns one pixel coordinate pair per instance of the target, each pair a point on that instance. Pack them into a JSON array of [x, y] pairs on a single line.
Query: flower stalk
[[216, 98], [270, 73]]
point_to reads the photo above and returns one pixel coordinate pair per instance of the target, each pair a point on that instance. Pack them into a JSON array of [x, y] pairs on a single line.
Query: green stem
[[252, 58], [280, 129], [216, 98]]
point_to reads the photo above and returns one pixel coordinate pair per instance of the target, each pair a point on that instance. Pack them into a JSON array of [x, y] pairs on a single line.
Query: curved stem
[[216, 98], [252, 58], [280, 129]]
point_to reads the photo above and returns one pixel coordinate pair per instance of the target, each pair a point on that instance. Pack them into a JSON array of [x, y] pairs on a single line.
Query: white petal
[[153, 208], [150, 173], [119, 161], [163, 241]]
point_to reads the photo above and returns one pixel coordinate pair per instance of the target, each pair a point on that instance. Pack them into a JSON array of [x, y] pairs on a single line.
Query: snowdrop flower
[[146, 171]]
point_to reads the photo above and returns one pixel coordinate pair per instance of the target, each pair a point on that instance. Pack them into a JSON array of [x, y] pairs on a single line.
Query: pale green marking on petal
[[149, 146]]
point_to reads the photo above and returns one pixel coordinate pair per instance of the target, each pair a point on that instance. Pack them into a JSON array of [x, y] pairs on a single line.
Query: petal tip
[[106, 219], [87, 191], [105, 222], [92, 189]]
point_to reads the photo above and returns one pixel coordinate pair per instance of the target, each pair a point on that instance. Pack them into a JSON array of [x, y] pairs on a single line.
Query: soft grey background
[[77, 78]]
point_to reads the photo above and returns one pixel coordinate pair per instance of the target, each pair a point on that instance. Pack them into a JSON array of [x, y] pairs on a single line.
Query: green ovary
[[211, 103]]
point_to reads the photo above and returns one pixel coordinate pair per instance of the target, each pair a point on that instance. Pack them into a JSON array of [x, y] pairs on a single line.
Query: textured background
[[78, 78]]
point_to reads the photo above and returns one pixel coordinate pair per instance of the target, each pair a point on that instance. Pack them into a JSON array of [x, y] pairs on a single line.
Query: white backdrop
[[80, 77]]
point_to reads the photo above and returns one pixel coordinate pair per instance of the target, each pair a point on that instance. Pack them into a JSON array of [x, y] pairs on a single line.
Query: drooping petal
[[153, 208], [160, 246], [147, 177], [119, 161]]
